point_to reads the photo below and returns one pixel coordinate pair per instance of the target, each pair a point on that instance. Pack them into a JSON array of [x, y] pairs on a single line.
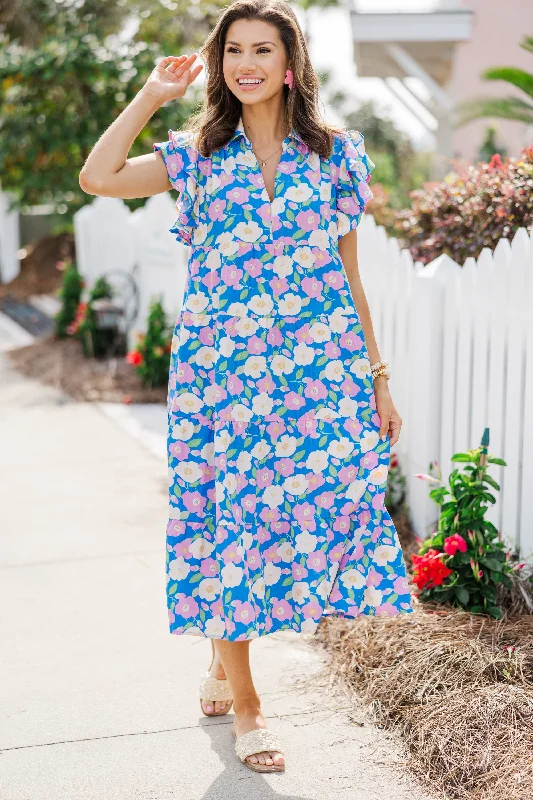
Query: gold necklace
[[263, 163]]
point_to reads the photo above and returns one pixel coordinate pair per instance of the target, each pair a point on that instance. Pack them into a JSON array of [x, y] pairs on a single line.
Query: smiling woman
[[280, 421]]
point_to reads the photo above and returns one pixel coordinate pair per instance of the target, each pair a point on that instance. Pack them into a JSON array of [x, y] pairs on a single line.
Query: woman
[[280, 416]]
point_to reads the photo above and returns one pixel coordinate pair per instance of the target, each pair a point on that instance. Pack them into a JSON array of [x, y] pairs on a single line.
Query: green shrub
[[70, 295]]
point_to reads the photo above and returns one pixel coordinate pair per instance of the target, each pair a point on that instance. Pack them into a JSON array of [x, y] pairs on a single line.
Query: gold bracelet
[[382, 371]]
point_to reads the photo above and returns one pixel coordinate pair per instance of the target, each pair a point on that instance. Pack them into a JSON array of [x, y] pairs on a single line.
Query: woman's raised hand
[[171, 77]]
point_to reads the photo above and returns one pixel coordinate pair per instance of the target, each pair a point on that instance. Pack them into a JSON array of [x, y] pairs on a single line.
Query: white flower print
[[296, 484], [272, 573], [286, 551], [352, 578], [189, 471], [262, 404], [255, 366], [361, 368], [290, 305], [261, 304], [341, 448], [373, 597], [317, 461], [244, 463], [320, 239], [305, 542], [348, 407], [300, 592], [209, 589], [356, 490], [281, 365], [197, 302], [231, 575], [215, 627], [273, 496], [369, 440], [299, 193], [246, 326], [201, 548], [303, 354], [320, 332], [187, 402], [384, 554], [206, 357], [378, 475], [305, 257], [182, 431], [248, 231], [282, 266], [241, 413], [286, 445], [335, 371], [178, 569]]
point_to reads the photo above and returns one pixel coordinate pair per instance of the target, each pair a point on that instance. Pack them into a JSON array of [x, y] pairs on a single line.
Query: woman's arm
[[108, 172], [390, 421]]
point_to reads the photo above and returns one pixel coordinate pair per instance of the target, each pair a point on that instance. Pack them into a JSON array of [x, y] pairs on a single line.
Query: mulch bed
[[61, 363], [458, 687]]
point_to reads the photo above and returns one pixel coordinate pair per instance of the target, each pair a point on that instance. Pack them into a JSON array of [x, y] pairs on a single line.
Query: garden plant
[[70, 296], [151, 357]]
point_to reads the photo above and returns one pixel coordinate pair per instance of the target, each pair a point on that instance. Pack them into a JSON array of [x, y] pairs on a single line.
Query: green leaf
[[462, 595], [494, 460], [494, 611]]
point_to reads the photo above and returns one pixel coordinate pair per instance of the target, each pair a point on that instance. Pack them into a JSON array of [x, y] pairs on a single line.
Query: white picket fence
[[9, 241], [109, 237], [459, 339], [460, 342]]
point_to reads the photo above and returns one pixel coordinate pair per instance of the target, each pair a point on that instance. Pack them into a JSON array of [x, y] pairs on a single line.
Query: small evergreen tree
[[152, 355], [95, 342], [70, 295]]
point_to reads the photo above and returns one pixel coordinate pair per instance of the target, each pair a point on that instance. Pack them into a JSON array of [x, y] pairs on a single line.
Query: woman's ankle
[[247, 706]]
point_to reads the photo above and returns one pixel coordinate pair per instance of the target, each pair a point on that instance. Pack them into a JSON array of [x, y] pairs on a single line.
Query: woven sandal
[[258, 741], [214, 689]]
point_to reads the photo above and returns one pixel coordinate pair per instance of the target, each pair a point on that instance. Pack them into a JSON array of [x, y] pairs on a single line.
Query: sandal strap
[[215, 688], [256, 741]]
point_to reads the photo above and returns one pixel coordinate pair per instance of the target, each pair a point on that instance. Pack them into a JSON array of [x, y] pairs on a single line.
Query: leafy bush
[[152, 354], [472, 208], [395, 492], [70, 295], [465, 560], [95, 342]]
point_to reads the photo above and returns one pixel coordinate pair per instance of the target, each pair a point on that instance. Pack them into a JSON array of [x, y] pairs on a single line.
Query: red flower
[[495, 162], [454, 543], [429, 570], [135, 358]]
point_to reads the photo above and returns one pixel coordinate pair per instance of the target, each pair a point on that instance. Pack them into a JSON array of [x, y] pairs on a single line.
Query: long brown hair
[[216, 122]]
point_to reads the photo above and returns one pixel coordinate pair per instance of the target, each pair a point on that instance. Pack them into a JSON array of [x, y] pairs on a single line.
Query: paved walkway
[[98, 700]]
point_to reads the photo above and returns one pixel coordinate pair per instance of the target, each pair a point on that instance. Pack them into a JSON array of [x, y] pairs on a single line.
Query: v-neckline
[[276, 174]]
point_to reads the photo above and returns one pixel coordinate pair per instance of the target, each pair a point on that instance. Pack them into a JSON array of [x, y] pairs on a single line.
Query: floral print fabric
[[277, 475]]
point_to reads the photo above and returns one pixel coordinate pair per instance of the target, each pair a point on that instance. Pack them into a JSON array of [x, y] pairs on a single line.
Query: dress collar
[[239, 131]]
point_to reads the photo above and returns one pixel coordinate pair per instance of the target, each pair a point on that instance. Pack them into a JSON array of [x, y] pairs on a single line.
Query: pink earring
[[289, 78]]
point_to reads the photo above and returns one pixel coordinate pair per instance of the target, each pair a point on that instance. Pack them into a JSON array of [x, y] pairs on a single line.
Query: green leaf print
[[244, 294], [288, 581], [230, 221], [196, 577], [322, 360], [298, 456], [194, 443], [173, 588]]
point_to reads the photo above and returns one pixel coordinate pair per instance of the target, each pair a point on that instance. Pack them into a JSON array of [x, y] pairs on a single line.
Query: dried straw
[[443, 678]]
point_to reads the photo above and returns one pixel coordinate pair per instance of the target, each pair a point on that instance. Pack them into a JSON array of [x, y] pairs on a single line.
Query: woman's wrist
[[381, 383]]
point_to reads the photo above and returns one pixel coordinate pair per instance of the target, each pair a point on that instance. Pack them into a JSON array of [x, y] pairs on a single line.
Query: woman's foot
[[216, 670], [250, 719]]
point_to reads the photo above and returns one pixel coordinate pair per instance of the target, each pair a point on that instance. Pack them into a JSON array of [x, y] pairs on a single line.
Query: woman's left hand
[[390, 420]]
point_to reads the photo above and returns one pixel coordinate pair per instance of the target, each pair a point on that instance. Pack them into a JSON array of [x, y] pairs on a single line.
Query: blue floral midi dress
[[277, 474]]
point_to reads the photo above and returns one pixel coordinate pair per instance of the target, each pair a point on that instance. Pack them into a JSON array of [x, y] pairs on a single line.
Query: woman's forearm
[[111, 150]]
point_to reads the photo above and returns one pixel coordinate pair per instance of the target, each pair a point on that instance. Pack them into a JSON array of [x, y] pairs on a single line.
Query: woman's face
[[253, 49]]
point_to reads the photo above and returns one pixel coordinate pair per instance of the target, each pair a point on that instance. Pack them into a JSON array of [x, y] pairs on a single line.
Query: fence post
[[9, 240], [425, 389]]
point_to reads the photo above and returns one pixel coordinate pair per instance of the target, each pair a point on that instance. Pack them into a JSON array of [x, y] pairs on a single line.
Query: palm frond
[[516, 77], [502, 108]]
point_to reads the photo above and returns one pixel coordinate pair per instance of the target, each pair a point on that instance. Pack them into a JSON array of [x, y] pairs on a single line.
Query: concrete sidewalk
[[99, 701]]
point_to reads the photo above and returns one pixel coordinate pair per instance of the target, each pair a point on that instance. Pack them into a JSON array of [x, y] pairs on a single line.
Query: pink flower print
[[205, 166], [175, 527], [285, 467], [210, 280], [334, 279], [304, 514], [274, 335], [217, 209], [264, 477], [322, 257], [344, 560], [400, 585], [303, 334], [342, 524], [265, 214], [370, 459], [353, 427], [208, 472], [234, 385], [325, 211], [316, 480], [186, 607], [194, 502], [254, 558], [315, 390], [230, 626], [231, 554], [209, 567], [307, 220], [312, 610], [351, 341], [185, 373], [336, 553], [275, 428], [244, 612], [271, 553], [376, 533], [238, 195], [254, 267], [268, 624], [231, 276], [332, 350], [171, 617], [266, 385], [358, 551], [182, 548], [216, 607], [279, 286], [335, 595], [263, 534], [347, 474], [281, 609], [373, 577], [378, 501], [348, 205], [256, 345], [299, 572], [312, 287], [174, 165], [317, 561], [294, 401], [249, 503], [376, 420], [207, 335], [364, 517], [386, 610], [326, 500]]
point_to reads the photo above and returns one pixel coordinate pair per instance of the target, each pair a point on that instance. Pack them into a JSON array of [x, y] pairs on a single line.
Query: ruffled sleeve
[[181, 160], [353, 191]]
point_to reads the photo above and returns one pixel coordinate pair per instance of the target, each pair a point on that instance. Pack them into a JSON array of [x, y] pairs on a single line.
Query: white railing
[[460, 342], [9, 241]]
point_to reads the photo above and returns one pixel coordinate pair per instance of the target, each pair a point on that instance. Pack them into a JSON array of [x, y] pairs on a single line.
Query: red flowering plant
[[395, 492], [465, 559], [472, 208], [151, 357]]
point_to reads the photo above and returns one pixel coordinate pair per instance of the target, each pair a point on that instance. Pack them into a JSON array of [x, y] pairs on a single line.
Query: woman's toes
[[277, 759], [220, 705], [253, 759], [208, 707]]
